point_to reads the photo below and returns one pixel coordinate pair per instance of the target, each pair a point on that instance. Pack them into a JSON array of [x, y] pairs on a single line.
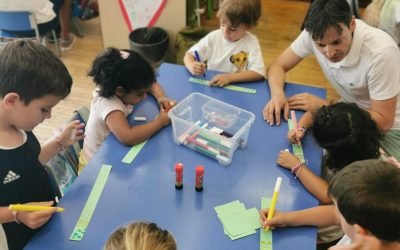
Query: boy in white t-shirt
[[366, 197], [230, 49]]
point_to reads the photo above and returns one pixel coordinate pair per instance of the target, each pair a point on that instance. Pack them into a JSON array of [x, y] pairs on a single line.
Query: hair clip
[[124, 54]]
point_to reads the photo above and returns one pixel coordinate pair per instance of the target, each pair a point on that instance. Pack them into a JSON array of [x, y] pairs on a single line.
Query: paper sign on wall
[[139, 13]]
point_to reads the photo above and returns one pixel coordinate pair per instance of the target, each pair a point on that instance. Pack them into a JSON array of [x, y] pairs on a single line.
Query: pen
[[21, 207], [274, 199], [196, 55]]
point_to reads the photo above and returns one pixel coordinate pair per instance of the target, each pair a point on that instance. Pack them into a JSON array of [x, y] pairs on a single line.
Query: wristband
[[297, 168], [14, 214], [302, 129]]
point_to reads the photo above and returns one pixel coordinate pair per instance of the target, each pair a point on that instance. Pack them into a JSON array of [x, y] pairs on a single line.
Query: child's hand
[[163, 117], [165, 103], [278, 220], [220, 80], [71, 133], [295, 137], [36, 219], [197, 68], [287, 159]]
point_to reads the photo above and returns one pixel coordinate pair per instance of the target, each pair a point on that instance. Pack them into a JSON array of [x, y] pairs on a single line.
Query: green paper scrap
[[237, 221], [230, 87], [91, 203], [133, 152], [297, 149], [265, 236]]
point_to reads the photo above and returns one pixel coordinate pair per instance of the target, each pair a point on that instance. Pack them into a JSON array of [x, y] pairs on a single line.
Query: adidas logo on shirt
[[11, 176]]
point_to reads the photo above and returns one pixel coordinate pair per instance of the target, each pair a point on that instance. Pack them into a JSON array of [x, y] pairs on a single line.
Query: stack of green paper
[[238, 221]]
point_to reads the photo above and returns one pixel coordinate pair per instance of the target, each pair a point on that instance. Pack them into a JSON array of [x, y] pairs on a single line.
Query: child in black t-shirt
[[32, 81]]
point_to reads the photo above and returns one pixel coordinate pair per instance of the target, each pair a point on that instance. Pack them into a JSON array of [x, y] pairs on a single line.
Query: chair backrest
[[17, 21]]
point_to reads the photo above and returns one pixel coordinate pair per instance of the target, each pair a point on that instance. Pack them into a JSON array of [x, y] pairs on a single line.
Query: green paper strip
[[91, 203], [133, 152], [265, 236], [230, 87], [297, 149]]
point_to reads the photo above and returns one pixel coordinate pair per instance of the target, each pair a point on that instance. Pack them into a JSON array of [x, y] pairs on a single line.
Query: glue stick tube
[[199, 178], [179, 176]]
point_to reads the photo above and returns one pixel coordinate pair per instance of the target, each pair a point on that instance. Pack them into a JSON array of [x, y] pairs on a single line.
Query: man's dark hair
[[327, 13], [32, 71]]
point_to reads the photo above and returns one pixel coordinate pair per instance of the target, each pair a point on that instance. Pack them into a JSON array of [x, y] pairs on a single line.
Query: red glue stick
[[199, 178], [179, 176]]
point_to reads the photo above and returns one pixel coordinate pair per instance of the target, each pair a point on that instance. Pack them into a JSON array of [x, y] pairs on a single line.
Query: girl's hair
[[238, 12], [121, 68], [348, 134], [140, 235]]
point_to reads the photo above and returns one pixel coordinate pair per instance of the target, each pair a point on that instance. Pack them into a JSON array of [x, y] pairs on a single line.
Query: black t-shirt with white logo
[[22, 179]]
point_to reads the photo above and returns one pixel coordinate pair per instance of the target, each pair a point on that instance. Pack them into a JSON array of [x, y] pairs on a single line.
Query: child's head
[[141, 235], [366, 193], [31, 71], [348, 134], [32, 81], [237, 16], [122, 73]]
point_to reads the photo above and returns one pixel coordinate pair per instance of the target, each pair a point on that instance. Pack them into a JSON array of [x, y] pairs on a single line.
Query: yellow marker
[[274, 199], [21, 207]]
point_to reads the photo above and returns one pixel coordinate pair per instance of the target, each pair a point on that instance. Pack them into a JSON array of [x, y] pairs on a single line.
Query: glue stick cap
[[179, 167], [199, 170]]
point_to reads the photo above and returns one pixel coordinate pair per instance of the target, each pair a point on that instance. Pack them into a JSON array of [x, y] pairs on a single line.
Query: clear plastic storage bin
[[210, 126]]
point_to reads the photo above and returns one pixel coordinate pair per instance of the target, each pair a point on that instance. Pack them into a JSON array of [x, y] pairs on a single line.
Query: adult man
[[362, 63]]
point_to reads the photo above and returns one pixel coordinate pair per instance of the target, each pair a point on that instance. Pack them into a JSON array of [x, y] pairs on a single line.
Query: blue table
[[144, 190]]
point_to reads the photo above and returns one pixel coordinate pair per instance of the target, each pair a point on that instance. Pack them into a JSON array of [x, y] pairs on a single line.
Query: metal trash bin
[[151, 43]]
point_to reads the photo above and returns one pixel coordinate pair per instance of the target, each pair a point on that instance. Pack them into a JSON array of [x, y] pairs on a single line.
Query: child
[[231, 49], [141, 235], [123, 79], [32, 81], [366, 197], [345, 131]]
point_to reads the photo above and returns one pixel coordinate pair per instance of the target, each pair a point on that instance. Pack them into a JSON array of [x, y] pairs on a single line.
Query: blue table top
[[145, 189]]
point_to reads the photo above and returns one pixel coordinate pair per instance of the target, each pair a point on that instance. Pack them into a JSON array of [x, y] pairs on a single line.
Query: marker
[[185, 134], [196, 55], [199, 178], [274, 199], [179, 176], [139, 118], [21, 207], [294, 121]]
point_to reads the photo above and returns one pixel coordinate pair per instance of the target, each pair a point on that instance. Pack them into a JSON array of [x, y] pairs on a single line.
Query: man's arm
[[276, 79], [383, 112]]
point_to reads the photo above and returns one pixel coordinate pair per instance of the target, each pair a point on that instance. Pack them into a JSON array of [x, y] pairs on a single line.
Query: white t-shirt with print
[[96, 128], [370, 70], [219, 53]]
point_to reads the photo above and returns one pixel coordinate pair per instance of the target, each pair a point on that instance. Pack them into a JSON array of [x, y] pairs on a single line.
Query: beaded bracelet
[[296, 169], [302, 129]]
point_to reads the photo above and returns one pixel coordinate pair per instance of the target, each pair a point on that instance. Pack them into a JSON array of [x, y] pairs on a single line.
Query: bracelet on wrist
[[14, 214], [296, 169], [302, 129], [58, 140]]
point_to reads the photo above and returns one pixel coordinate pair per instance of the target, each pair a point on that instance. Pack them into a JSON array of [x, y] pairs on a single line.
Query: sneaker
[[67, 44]]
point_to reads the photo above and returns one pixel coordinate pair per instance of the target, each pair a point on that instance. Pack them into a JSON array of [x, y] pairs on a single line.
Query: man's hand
[[273, 109], [306, 102]]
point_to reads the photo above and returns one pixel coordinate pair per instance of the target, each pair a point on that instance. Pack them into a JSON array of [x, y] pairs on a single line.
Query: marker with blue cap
[[196, 55]]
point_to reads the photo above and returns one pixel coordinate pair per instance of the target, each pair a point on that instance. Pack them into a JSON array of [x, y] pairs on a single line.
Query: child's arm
[[313, 183], [131, 135], [69, 135], [158, 93], [305, 121], [317, 216], [196, 68], [222, 80], [33, 219]]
